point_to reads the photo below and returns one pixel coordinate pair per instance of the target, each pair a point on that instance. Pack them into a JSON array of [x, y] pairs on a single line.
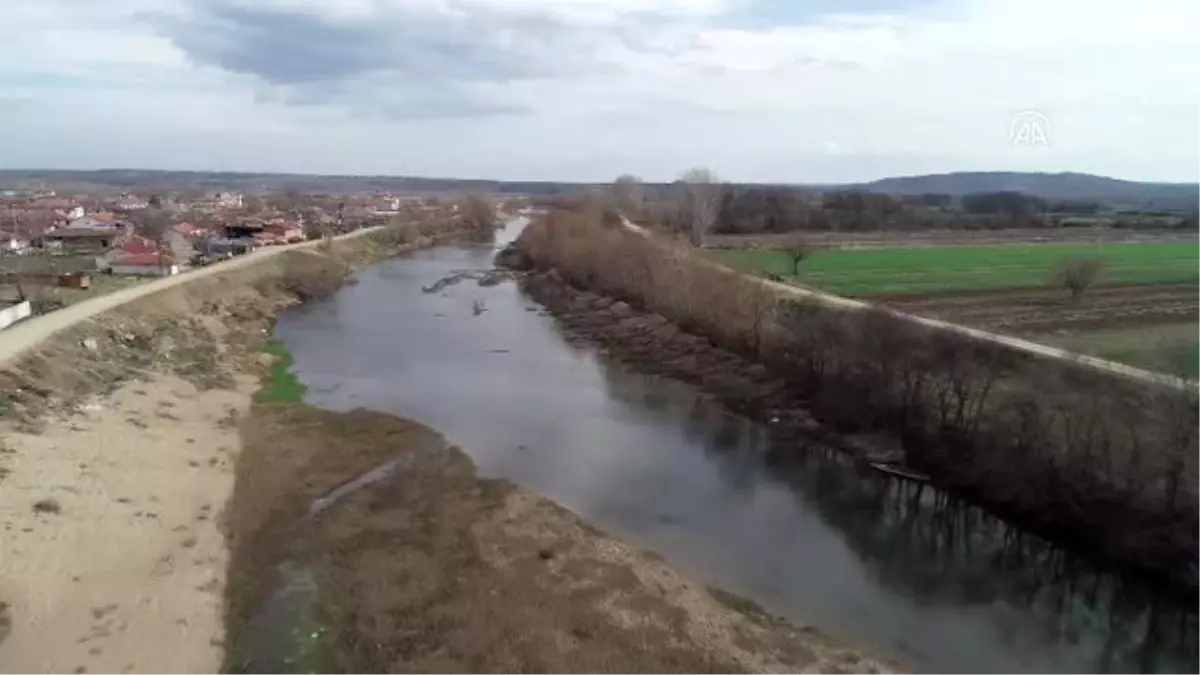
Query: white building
[[132, 203], [229, 200]]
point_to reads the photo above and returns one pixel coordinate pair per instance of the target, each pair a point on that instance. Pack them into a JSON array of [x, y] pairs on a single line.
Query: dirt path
[[113, 560], [15, 340], [828, 299]]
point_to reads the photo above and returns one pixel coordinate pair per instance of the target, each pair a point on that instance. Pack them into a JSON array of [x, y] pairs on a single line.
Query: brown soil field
[[432, 569], [947, 237], [1032, 312]]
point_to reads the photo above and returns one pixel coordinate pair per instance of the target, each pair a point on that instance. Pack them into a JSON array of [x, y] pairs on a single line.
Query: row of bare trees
[[699, 201], [1081, 452]]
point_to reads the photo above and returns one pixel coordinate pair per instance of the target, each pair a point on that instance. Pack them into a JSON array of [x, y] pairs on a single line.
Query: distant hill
[[1119, 194], [144, 180], [1053, 186]]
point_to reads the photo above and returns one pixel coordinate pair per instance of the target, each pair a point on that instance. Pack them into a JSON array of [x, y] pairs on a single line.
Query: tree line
[[700, 201], [1087, 455]]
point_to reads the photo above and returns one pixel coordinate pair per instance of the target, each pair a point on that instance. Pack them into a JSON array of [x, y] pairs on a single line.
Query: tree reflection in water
[[940, 549], [936, 549]]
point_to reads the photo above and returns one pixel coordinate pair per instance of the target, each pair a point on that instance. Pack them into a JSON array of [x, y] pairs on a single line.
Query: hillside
[[1054, 186]]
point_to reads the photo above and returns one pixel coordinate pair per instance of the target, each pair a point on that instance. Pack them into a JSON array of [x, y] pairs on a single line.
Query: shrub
[[1077, 275]]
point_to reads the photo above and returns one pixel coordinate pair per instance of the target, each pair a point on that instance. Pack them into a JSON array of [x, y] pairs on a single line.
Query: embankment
[[1090, 458], [119, 436]]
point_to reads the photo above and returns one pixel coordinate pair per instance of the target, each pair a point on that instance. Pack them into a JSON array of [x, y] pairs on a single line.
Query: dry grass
[[436, 570]]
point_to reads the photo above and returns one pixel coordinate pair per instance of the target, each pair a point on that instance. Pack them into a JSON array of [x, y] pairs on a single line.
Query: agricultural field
[[935, 269], [1144, 311]]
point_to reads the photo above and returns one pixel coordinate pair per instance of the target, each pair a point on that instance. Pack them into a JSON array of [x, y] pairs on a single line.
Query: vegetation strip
[[281, 384]]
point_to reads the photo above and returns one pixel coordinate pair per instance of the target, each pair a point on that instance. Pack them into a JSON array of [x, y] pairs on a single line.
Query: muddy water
[[898, 569]]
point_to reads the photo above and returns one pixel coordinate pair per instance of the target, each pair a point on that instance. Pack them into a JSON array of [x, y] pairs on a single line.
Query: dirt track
[[16, 339], [803, 294]]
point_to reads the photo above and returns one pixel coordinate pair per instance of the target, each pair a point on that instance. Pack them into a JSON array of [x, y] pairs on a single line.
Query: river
[[903, 571]]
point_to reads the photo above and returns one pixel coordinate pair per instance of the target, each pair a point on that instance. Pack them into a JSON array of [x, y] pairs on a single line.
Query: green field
[[1171, 349], [861, 272]]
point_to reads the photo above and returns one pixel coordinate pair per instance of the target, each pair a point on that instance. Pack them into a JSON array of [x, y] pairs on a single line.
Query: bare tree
[[1079, 274], [703, 201], [798, 251], [152, 223], [479, 212], [627, 190]]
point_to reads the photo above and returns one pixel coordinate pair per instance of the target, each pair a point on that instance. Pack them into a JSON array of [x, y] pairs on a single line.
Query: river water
[[902, 571]]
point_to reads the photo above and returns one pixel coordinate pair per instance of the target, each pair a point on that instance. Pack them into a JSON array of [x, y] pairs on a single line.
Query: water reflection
[[938, 550], [900, 568]]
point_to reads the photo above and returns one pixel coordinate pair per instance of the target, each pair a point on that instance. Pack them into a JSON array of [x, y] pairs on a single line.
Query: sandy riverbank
[[118, 436], [113, 558]]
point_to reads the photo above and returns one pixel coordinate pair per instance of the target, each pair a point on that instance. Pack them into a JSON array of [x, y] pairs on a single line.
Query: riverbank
[[153, 484], [432, 569], [119, 439], [1104, 464]]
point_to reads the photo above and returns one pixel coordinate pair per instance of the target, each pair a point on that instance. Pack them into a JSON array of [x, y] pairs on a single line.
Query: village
[[58, 248]]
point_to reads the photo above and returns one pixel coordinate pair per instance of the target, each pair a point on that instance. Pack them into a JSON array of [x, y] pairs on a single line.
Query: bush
[[1078, 275]]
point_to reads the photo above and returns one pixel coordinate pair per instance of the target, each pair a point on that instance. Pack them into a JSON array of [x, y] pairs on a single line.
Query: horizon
[[868, 181]]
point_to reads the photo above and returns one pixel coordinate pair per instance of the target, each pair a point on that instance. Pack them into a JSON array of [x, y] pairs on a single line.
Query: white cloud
[[584, 89]]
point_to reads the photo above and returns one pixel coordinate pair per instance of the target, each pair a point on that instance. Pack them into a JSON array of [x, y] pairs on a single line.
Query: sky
[[817, 91]]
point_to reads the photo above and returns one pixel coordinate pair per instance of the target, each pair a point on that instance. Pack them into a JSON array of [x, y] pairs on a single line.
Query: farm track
[[1034, 311]]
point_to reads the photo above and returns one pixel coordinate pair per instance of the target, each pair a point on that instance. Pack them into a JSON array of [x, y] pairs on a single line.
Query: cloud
[[586, 89], [408, 59]]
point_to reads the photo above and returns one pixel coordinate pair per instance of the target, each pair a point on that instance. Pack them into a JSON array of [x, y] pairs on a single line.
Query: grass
[[863, 272], [281, 384], [1173, 349]]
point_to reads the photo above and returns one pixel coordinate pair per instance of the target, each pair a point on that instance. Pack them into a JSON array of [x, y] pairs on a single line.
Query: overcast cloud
[[759, 90]]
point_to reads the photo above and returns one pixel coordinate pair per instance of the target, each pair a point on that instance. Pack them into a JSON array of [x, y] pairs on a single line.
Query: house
[[192, 230], [244, 229], [143, 265], [220, 200], [11, 242], [285, 231], [386, 205], [81, 241], [128, 202], [103, 220]]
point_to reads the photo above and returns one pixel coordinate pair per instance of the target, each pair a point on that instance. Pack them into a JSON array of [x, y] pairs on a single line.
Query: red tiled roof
[[82, 233], [142, 260], [186, 228], [136, 245]]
